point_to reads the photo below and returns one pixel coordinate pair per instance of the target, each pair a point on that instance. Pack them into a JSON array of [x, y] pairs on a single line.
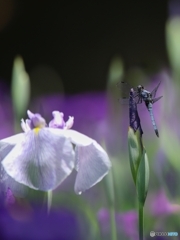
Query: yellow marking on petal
[[36, 130]]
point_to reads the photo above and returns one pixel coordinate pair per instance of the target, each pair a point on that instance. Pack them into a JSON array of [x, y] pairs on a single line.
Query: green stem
[[49, 200], [113, 224], [141, 221], [109, 187], [111, 202]]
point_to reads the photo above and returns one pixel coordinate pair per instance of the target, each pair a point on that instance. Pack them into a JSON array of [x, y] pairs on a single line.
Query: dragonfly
[[143, 95]]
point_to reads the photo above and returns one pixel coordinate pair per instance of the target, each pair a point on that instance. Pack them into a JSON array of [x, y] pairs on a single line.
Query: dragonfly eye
[[139, 88]]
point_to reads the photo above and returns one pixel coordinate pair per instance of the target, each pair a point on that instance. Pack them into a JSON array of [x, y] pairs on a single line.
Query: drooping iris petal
[[11, 140], [6, 145], [92, 162], [93, 165], [42, 160], [78, 138]]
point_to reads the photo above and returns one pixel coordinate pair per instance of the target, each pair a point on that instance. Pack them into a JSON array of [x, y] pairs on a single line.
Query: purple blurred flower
[[42, 157], [126, 223], [27, 223], [160, 205], [18, 208], [129, 224], [10, 199]]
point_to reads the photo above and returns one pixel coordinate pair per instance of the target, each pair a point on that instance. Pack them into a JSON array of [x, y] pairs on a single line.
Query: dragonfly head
[[140, 88]]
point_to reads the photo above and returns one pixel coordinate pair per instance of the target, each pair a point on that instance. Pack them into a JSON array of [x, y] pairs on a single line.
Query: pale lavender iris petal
[[78, 138], [6, 145], [58, 121], [69, 122], [25, 126], [41, 161], [92, 164], [92, 161], [28, 124], [36, 120], [13, 140], [30, 114], [6, 181]]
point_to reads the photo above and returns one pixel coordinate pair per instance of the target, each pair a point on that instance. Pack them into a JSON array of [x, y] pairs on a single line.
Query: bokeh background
[[75, 53], [78, 39]]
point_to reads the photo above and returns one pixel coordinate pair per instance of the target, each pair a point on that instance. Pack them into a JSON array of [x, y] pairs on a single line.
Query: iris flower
[[44, 155]]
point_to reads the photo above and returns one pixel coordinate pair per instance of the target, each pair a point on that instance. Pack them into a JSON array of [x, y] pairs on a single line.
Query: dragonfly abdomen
[[150, 109]]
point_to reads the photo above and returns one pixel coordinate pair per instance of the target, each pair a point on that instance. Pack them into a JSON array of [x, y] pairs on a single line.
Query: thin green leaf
[[142, 180], [135, 151]]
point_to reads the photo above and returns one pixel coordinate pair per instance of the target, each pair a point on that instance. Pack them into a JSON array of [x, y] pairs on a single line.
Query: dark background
[[79, 38]]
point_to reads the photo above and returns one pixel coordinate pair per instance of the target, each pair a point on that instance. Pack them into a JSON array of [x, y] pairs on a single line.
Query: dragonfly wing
[[124, 101], [156, 99], [155, 90], [124, 92]]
